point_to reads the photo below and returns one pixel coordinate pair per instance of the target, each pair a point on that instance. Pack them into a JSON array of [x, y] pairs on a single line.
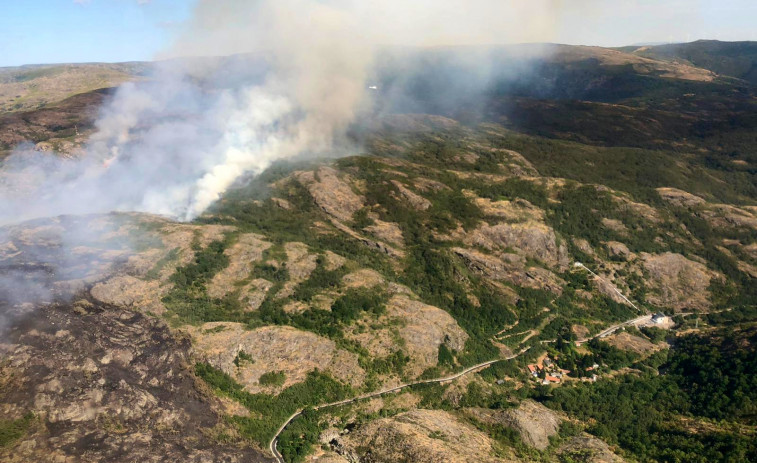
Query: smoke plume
[[300, 76]]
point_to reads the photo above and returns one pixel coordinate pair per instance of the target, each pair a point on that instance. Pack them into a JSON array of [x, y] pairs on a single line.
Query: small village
[[547, 371]]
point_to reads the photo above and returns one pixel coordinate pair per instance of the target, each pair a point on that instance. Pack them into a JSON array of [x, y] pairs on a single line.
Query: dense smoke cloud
[[174, 144], [55, 259]]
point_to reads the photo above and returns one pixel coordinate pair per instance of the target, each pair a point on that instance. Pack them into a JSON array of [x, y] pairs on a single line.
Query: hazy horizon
[[91, 31], [157, 60]]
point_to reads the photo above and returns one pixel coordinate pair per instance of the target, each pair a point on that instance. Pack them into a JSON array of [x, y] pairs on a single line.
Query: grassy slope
[[34, 87], [736, 59]]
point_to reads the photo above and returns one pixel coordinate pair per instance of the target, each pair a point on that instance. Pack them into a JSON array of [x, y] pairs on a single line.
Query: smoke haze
[[173, 145]]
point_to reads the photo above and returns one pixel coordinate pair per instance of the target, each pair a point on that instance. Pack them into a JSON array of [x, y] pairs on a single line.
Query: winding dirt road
[[274, 442]]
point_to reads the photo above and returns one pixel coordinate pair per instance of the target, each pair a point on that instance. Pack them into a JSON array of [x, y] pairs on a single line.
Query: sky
[[64, 31]]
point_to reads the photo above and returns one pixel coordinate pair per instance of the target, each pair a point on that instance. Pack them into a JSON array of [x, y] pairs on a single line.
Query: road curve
[[274, 442]]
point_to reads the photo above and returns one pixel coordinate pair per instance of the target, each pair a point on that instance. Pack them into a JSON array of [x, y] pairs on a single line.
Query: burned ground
[[110, 384]]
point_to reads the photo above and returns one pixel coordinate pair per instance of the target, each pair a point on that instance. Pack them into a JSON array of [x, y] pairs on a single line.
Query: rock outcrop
[[131, 292], [534, 422], [300, 264], [331, 194], [626, 341], [517, 210], [511, 268], [388, 232], [530, 239], [417, 201], [363, 278], [618, 249], [588, 448], [254, 293], [415, 328], [372, 244], [242, 256], [677, 283], [608, 288], [680, 197], [420, 436], [615, 225], [273, 349]]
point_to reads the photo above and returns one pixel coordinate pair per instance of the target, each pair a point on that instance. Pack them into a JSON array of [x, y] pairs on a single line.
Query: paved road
[[608, 331], [274, 442]]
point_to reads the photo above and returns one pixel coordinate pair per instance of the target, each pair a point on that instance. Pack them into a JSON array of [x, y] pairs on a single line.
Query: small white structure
[[660, 319]]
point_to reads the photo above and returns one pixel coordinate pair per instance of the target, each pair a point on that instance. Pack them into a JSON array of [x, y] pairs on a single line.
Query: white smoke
[[174, 144]]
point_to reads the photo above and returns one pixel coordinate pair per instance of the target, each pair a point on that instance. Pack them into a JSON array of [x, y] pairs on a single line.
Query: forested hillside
[[589, 241]]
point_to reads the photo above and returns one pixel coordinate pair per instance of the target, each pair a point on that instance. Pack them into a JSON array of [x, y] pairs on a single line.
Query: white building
[[660, 319]]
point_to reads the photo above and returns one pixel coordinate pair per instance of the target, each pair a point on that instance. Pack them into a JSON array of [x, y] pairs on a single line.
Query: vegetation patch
[[244, 358], [330, 323], [706, 379], [171, 256], [272, 378], [297, 440], [392, 364], [12, 430], [189, 299], [319, 280], [268, 412]]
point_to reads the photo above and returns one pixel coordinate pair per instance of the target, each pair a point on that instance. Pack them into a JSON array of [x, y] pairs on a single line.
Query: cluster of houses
[[547, 371]]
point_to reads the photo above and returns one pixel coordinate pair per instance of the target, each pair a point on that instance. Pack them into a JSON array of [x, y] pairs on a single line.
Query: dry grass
[[34, 87]]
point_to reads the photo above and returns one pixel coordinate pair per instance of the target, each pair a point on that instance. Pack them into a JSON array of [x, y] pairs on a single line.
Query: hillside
[[449, 239], [33, 87], [372, 270], [587, 94], [734, 59], [60, 128], [592, 95]]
